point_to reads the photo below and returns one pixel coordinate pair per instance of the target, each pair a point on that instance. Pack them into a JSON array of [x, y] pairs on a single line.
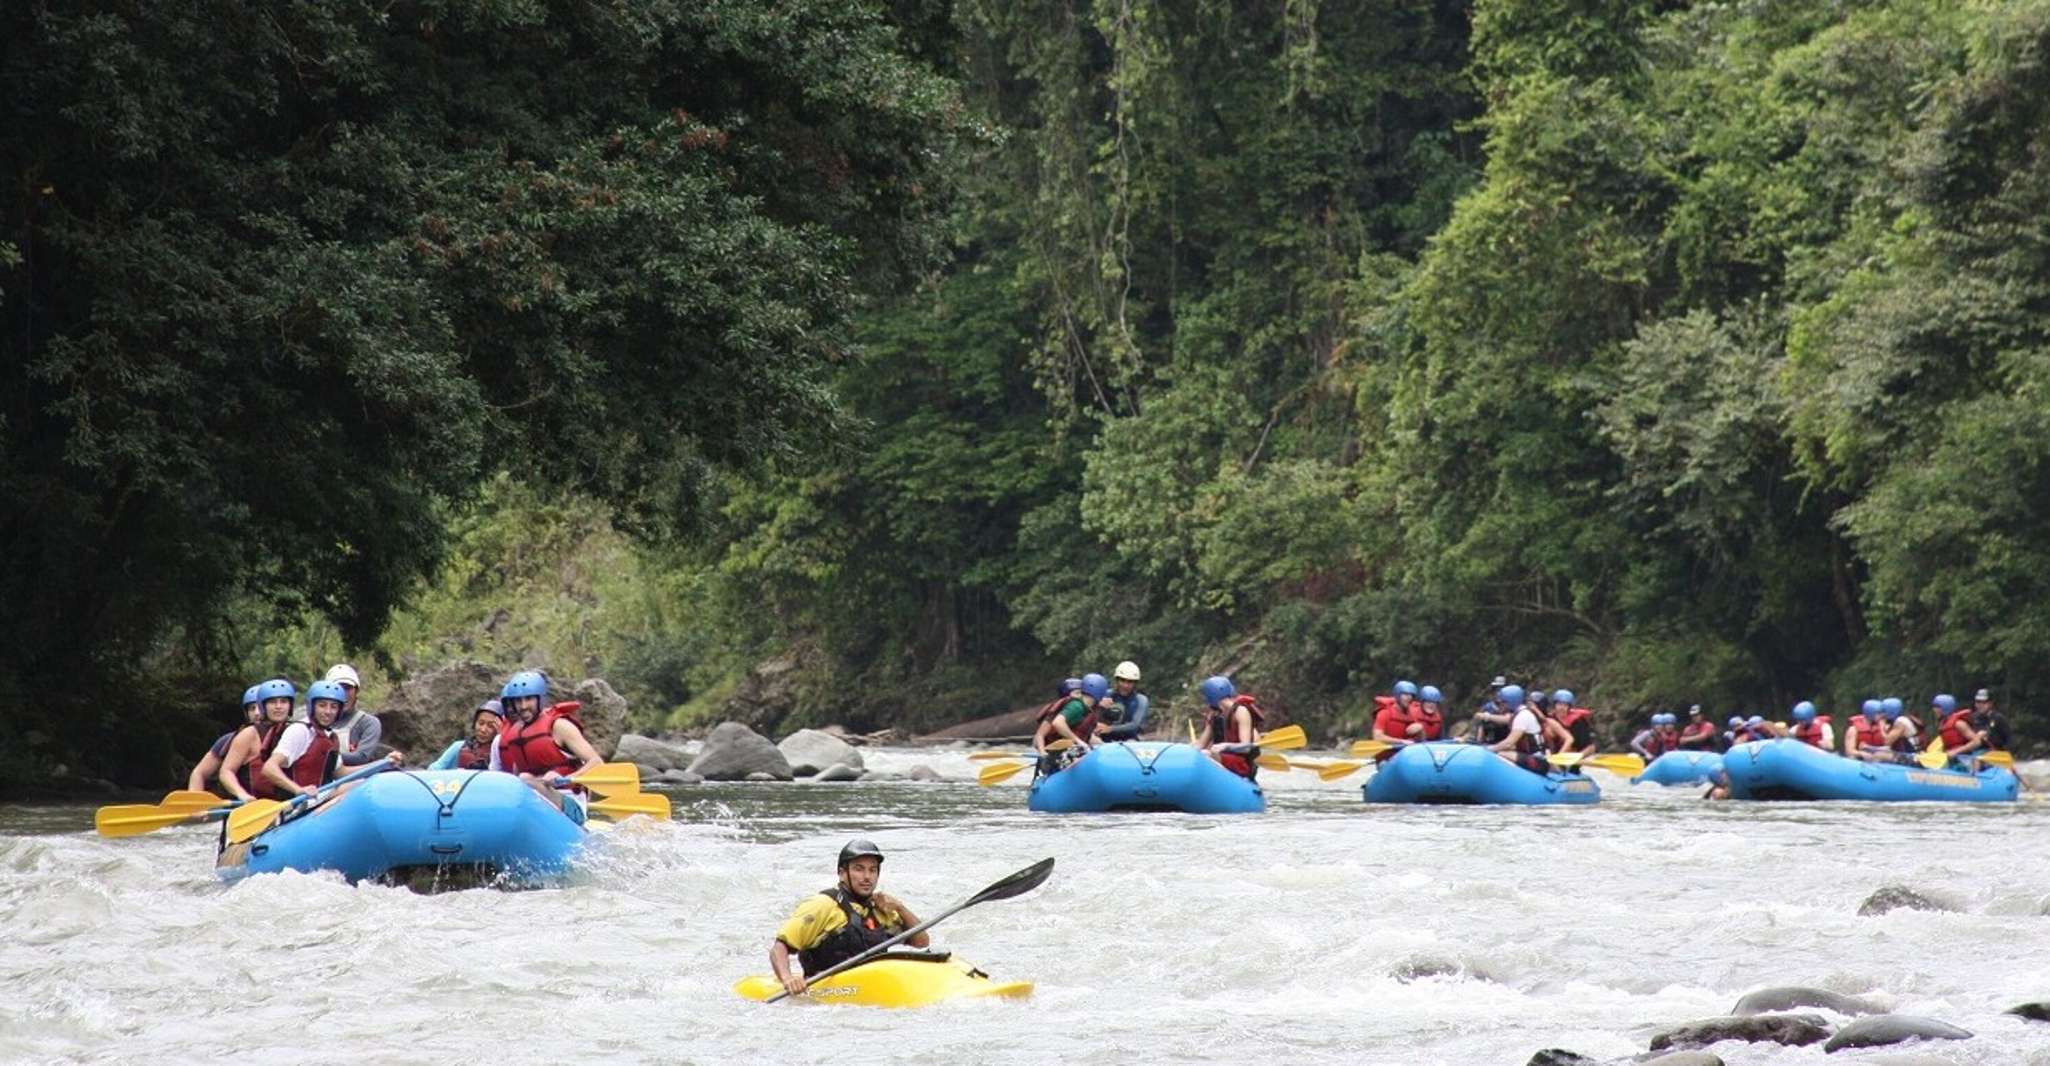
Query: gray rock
[[1418, 967], [603, 714], [1884, 1029], [733, 751], [1788, 997], [763, 775], [811, 750], [922, 772], [1680, 1058], [1795, 1029], [839, 771], [1898, 897], [1897, 1058], [1552, 1056], [679, 777], [881, 775], [2035, 1012], [651, 754]]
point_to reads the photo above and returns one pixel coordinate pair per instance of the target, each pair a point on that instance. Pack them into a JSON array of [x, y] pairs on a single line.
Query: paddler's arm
[[904, 915], [1134, 723], [364, 733], [779, 963], [239, 754], [209, 766], [1061, 726], [571, 739]]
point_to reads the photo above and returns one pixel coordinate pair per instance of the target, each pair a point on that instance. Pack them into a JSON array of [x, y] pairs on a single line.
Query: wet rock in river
[[1418, 967], [922, 772], [1899, 897], [1680, 1058], [1552, 1056], [1885, 1029], [839, 771], [733, 751], [2035, 1012], [1788, 997], [812, 750], [1795, 1029], [651, 755], [678, 777]]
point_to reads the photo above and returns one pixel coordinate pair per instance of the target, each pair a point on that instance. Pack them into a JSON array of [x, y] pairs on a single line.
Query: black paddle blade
[[1017, 884]]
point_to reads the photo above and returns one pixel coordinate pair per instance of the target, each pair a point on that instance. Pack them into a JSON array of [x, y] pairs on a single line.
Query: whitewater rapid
[[1324, 931]]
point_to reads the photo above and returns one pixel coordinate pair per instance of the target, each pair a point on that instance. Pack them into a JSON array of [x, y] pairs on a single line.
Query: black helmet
[[857, 849]]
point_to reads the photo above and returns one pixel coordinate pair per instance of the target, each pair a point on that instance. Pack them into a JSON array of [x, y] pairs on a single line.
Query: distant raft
[[1682, 768], [1146, 776], [897, 979], [1447, 772], [1787, 769], [404, 821]]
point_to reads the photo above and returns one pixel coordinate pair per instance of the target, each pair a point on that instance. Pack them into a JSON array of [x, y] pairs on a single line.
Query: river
[[1289, 937]]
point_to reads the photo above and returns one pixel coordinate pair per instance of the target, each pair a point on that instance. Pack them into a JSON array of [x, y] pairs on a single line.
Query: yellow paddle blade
[[252, 818], [991, 775], [1274, 762], [1932, 757], [187, 800], [653, 804], [1622, 763], [1332, 771], [135, 819], [2002, 759], [1058, 744], [1284, 739], [607, 778], [985, 756], [1192, 731], [1362, 749]]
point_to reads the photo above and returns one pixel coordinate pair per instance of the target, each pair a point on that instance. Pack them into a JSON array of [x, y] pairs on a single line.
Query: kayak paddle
[[256, 816], [1017, 884]]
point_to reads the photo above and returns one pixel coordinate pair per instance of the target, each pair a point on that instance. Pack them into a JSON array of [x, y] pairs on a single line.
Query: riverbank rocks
[[1798, 1030], [1789, 997], [922, 772], [2035, 1012], [651, 755], [811, 750], [428, 710], [1900, 897], [1886, 1029], [839, 771], [1552, 1056], [763, 776], [1680, 1058], [678, 777], [732, 751]]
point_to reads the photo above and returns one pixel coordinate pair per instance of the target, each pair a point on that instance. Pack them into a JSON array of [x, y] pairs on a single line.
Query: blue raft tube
[[1451, 772], [1682, 768], [1787, 769], [398, 824], [1146, 776]]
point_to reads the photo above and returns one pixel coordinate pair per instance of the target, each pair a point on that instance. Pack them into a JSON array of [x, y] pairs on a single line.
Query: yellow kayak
[[896, 981]]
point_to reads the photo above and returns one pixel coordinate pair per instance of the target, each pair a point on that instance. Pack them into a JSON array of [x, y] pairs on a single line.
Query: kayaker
[[543, 745], [1954, 728], [1071, 717], [241, 773], [1123, 717], [1530, 734], [1990, 723], [843, 921], [474, 751], [1231, 729], [304, 757], [1866, 736], [1811, 728], [357, 731], [1578, 722], [209, 767], [1700, 732]]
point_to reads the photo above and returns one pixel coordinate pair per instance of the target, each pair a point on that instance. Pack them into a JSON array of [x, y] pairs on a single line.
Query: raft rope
[[448, 809]]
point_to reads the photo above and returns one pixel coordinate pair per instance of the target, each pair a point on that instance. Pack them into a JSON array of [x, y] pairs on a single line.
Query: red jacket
[[531, 748]]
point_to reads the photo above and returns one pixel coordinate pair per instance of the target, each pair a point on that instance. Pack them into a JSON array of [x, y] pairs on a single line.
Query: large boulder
[[839, 771], [1789, 997], [1886, 1029], [733, 751], [603, 714], [430, 709], [1900, 897], [810, 750], [650, 754], [1795, 1029]]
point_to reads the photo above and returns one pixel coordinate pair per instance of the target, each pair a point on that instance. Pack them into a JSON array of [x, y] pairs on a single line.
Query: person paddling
[[241, 773], [474, 752], [1700, 732], [1578, 723], [1987, 719], [307, 752], [1812, 728], [1427, 720], [1530, 734], [1070, 717], [1961, 741], [1395, 722], [1123, 716], [1231, 728], [358, 733], [542, 745], [1902, 732], [1652, 741], [843, 921], [209, 767], [1491, 718], [1865, 733]]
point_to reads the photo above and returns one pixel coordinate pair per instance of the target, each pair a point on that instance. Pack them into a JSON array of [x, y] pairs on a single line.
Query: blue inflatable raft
[[1447, 772], [400, 821], [1682, 768], [1787, 769], [1146, 776]]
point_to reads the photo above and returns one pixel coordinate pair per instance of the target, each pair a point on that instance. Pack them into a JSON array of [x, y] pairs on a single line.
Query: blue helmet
[[1512, 695], [249, 695], [1804, 711], [1892, 706], [1216, 689], [1755, 720], [1095, 686], [1564, 696], [1946, 704], [1665, 718], [324, 690], [275, 688], [1871, 708], [1736, 720], [1430, 694], [1405, 688], [525, 683], [1069, 685]]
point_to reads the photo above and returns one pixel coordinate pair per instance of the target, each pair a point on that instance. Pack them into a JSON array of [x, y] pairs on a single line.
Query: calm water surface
[[1289, 937]]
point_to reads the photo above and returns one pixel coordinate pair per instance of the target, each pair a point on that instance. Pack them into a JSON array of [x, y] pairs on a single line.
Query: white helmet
[[344, 674], [1126, 671]]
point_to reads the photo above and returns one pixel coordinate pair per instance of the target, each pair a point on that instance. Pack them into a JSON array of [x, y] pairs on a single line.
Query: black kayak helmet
[[858, 849]]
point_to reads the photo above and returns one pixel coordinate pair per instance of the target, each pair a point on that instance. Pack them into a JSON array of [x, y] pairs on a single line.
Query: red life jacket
[[309, 770], [1391, 718], [1810, 732], [251, 772], [1702, 733], [1572, 716], [1657, 744], [1224, 729], [473, 756], [1949, 733], [531, 748], [1432, 721], [1871, 732], [1082, 729]]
